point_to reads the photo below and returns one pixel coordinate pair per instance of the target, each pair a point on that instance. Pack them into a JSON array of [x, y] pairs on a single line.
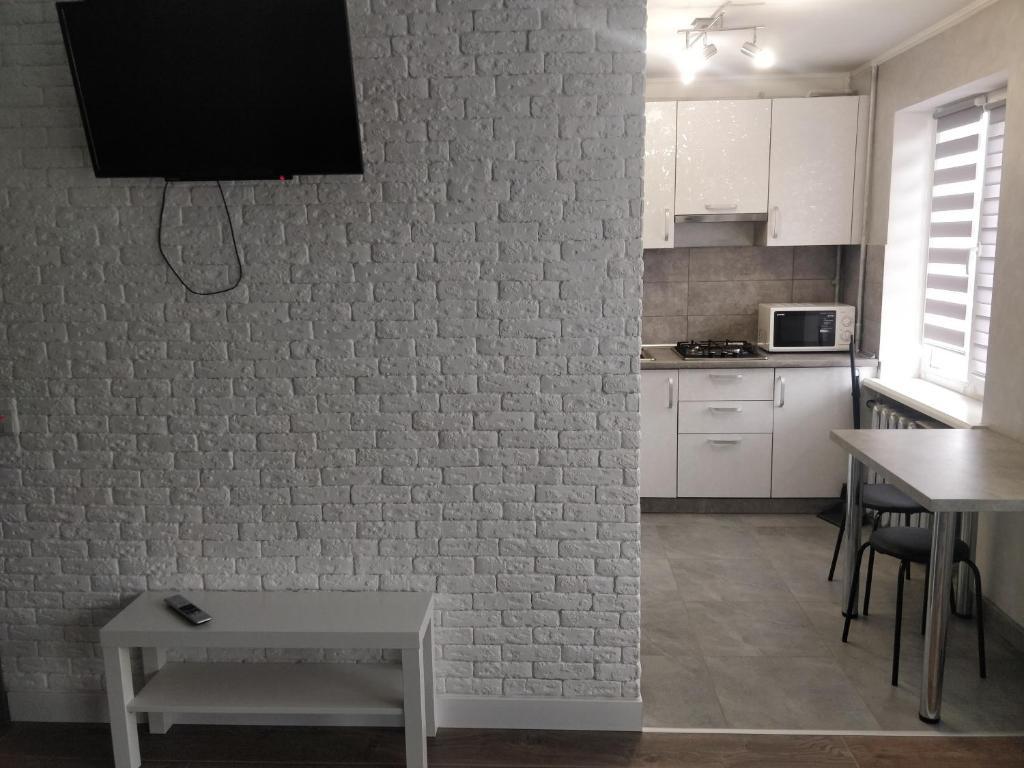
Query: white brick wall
[[428, 379]]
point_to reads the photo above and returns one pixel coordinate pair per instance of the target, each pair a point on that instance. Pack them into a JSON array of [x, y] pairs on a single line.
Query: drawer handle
[[721, 206], [735, 376], [725, 441], [725, 409], [781, 382], [671, 393], [668, 224]]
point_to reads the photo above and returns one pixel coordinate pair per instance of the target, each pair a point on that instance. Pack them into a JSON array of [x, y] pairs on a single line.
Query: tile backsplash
[[701, 293]]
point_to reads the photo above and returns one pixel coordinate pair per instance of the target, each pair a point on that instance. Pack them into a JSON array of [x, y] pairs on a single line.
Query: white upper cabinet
[[722, 156], [813, 169], [659, 174]]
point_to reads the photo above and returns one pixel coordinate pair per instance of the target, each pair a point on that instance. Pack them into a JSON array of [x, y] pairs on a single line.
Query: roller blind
[[986, 254], [962, 232]]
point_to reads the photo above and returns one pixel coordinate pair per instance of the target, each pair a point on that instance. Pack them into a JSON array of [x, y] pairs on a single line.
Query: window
[[962, 242]]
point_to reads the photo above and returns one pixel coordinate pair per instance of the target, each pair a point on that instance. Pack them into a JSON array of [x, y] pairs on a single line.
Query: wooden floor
[[26, 745]]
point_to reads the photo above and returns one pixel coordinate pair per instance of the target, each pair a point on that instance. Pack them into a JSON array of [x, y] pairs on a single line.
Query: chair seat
[[913, 544], [884, 498]]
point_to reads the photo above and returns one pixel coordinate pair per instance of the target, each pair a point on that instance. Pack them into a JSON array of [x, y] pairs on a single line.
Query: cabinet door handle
[[725, 409], [781, 384], [671, 393], [775, 222], [668, 224], [720, 206], [724, 440], [735, 376]]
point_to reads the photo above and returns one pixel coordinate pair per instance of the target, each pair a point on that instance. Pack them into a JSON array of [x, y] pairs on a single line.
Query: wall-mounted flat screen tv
[[201, 90]]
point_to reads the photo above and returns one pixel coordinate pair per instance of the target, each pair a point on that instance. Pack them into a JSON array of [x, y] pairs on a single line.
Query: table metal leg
[[852, 534], [124, 730], [153, 660], [937, 618], [963, 586], [415, 712], [429, 697]]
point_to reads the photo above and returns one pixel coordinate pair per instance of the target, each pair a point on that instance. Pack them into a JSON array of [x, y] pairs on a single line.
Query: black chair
[[912, 545], [878, 499]]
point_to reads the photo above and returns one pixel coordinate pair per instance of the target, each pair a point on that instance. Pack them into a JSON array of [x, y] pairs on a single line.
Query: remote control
[[191, 613]]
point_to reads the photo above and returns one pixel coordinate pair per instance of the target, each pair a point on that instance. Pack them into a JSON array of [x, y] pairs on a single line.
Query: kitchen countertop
[[666, 358]]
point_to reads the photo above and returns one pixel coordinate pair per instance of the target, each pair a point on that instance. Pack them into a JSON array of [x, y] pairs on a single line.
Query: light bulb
[[765, 59], [693, 58]]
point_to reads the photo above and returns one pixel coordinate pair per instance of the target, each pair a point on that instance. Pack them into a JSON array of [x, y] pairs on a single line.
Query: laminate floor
[[741, 629], [28, 745]]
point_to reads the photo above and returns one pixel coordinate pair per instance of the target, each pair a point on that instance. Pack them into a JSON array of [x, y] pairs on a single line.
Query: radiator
[[888, 417], [885, 416]]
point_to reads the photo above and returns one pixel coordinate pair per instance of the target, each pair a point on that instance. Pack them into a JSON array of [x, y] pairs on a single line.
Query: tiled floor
[[27, 745], [741, 629]]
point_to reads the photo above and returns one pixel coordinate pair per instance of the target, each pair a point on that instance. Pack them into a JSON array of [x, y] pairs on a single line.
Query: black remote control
[[191, 613]]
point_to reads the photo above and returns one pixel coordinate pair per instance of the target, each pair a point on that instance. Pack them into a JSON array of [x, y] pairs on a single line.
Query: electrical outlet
[[8, 417]]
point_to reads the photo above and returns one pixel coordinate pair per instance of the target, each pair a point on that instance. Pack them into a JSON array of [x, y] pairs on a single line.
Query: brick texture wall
[[427, 381]]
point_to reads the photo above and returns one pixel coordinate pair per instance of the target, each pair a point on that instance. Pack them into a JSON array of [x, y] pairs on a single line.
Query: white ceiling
[[809, 36]]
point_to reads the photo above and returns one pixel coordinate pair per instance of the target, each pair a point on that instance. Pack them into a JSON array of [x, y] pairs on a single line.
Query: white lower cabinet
[[743, 433], [725, 433], [725, 465], [726, 384], [809, 403], [743, 416], [658, 400]]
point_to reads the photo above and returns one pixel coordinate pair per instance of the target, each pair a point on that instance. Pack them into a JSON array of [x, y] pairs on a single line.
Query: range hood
[[719, 217]]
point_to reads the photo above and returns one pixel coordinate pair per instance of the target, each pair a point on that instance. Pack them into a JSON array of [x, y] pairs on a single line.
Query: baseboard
[[999, 621], [711, 506], [43, 707], [492, 712], [540, 712]]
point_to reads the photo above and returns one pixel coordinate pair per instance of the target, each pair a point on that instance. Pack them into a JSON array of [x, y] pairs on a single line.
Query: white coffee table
[[329, 620]]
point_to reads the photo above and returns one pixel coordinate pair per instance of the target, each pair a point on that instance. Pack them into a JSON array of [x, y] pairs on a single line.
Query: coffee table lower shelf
[[274, 689]]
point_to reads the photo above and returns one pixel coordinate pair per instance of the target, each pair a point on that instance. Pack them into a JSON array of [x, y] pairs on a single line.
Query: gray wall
[[428, 379], [934, 67], [701, 293]]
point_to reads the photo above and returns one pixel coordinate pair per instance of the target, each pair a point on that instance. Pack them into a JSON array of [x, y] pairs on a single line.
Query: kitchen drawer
[[727, 384], [725, 465], [745, 416]]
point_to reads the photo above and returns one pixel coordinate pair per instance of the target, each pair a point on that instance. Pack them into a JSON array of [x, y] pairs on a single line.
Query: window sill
[[939, 403]]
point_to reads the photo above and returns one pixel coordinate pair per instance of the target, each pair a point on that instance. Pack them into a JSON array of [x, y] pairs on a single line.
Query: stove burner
[[717, 348]]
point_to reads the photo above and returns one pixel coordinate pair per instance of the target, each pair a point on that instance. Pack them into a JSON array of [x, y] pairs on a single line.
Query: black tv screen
[[214, 89]]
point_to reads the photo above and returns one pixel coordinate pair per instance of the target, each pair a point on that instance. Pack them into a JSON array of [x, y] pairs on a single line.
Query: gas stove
[[712, 348]]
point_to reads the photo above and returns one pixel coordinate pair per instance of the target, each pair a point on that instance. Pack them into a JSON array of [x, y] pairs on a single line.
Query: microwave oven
[[805, 327]]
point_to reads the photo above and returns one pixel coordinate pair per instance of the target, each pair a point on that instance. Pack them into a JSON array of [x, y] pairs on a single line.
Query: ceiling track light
[[695, 57], [762, 58]]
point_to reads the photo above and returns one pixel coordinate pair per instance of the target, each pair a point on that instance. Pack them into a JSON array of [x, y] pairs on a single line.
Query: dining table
[[949, 472]]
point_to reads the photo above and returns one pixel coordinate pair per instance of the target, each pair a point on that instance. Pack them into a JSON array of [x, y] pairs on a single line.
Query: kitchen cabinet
[[743, 432], [659, 174], [726, 384], [722, 153], [813, 171], [809, 403], [725, 433], [725, 466], [747, 416], [658, 399]]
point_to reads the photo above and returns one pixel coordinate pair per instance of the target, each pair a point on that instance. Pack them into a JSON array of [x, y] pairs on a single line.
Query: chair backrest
[[855, 385]]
